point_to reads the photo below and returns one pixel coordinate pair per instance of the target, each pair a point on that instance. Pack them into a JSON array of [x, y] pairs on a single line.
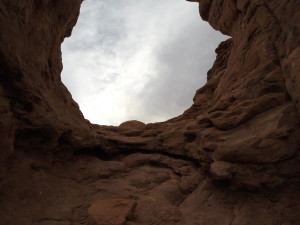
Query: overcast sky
[[135, 59]]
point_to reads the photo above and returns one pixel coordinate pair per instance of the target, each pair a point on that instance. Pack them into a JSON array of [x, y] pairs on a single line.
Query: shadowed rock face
[[232, 158]]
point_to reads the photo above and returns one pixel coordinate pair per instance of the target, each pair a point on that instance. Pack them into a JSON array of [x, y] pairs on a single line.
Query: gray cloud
[[137, 60], [182, 64]]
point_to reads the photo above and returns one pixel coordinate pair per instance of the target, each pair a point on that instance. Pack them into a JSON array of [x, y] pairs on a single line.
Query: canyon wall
[[232, 158], [37, 111]]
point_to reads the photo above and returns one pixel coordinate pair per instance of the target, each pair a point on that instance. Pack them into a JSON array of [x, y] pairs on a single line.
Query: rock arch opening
[[137, 60], [234, 154]]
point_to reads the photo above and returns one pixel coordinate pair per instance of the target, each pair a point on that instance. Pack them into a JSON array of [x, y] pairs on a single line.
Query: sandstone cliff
[[232, 158]]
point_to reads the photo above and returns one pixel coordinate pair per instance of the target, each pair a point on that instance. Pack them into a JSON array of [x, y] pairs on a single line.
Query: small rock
[[111, 211], [132, 124], [221, 170]]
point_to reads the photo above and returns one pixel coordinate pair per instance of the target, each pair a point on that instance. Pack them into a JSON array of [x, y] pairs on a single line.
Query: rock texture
[[232, 158], [111, 212]]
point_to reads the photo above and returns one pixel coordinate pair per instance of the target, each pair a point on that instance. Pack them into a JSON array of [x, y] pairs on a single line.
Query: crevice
[[271, 12], [119, 155], [98, 152]]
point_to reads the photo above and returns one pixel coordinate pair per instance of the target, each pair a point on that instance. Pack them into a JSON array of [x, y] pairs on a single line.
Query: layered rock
[[233, 153], [37, 111], [247, 109]]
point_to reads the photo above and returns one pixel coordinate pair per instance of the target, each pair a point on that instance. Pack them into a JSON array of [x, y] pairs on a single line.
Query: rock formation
[[232, 158]]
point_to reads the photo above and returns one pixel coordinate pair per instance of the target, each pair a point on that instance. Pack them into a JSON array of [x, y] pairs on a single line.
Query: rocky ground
[[134, 188]]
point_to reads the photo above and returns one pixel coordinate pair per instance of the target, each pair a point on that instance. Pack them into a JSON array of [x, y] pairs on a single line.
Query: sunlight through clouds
[[136, 59]]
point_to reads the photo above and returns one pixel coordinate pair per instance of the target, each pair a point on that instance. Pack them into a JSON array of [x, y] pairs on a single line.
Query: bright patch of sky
[[137, 59]]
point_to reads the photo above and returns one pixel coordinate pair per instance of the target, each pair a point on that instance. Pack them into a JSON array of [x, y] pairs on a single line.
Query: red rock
[[133, 124], [111, 211], [241, 133]]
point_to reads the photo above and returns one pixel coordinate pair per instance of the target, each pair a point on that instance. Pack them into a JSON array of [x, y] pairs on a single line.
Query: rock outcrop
[[232, 158], [111, 212]]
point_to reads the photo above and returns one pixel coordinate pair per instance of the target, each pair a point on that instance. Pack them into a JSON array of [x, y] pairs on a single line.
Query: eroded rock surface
[[232, 158], [111, 211]]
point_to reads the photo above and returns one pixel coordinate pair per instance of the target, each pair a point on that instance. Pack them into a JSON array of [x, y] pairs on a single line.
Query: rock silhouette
[[232, 158]]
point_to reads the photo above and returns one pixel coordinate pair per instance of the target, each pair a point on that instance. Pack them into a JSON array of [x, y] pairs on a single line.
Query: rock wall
[[232, 158], [37, 111], [248, 108]]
